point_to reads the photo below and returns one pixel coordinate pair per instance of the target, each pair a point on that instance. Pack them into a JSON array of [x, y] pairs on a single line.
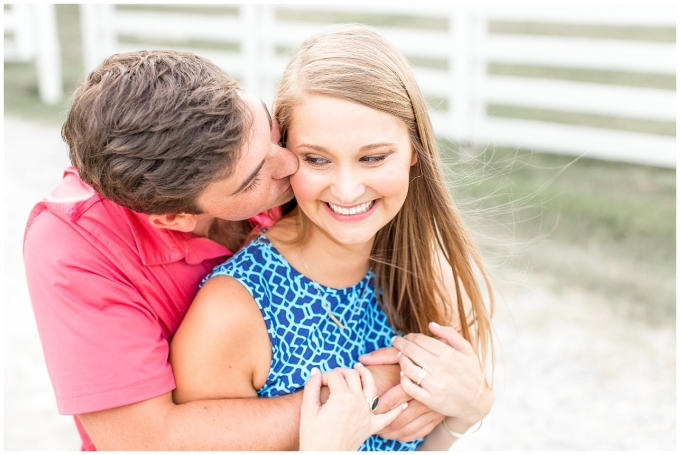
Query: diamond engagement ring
[[372, 403], [421, 375]]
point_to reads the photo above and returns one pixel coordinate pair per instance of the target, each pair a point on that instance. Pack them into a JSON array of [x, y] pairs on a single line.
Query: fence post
[[479, 25], [459, 71], [252, 48], [18, 20], [268, 50], [47, 59], [97, 34]]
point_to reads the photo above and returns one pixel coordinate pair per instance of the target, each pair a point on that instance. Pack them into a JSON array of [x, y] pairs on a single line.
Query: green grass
[[605, 227]]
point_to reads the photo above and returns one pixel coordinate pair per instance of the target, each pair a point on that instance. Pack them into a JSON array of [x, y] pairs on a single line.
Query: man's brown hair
[[151, 130]]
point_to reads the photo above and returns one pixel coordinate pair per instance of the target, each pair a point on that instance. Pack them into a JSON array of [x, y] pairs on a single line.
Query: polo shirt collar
[[158, 246]]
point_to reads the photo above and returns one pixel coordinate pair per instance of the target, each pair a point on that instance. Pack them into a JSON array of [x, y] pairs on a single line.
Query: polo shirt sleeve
[[103, 345]]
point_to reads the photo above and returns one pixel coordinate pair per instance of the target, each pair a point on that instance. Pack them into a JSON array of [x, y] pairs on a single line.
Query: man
[[173, 167]]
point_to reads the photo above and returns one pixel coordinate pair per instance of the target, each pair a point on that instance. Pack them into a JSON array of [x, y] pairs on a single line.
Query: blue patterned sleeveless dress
[[301, 332]]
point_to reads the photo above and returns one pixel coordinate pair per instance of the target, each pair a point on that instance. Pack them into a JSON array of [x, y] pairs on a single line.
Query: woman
[[389, 253]]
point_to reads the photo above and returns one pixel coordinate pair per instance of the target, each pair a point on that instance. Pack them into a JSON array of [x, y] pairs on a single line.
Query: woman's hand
[[345, 421], [444, 374]]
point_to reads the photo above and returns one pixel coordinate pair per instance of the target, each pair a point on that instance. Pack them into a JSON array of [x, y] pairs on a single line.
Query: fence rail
[[459, 43]]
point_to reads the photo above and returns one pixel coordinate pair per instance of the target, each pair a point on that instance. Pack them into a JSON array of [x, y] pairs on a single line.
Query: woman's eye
[[316, 160], [373, 158]]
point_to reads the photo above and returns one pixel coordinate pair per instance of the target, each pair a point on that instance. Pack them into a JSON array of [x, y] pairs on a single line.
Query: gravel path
[[570, 375]]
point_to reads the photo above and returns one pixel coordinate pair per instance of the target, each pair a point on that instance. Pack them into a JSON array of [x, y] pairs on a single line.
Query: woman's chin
[[353, 238]]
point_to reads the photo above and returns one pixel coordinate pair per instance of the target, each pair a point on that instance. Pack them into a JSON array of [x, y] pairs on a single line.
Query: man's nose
[[287, 163]]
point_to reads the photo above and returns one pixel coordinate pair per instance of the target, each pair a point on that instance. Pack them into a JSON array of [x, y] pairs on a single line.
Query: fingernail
[[405, 405], [398, 354], [434, 324], [393, 338], [401, 373], [315, 370], [358, 365]]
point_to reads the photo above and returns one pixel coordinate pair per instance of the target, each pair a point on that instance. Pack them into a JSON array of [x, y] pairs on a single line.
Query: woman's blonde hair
[[355, 63]]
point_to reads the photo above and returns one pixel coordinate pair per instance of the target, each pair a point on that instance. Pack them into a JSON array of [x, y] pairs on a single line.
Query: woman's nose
[[347, 186]]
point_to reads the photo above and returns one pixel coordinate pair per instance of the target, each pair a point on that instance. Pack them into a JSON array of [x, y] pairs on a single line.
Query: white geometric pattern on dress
[[301, 332]]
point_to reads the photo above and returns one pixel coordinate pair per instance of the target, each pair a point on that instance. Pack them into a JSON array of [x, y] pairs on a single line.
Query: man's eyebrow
[[269, 117], [249, 179]]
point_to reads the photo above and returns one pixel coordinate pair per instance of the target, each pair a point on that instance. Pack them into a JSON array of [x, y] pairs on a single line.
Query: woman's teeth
[[361, 208]]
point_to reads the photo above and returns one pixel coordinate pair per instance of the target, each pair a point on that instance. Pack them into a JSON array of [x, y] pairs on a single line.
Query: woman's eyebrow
[[361, 149], [269, 117], [377, 145]]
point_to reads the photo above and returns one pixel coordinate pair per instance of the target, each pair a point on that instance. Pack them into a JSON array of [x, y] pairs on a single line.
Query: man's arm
[[228, 424]]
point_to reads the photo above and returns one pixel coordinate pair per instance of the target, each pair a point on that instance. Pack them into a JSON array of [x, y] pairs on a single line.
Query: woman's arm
[[445, 374], [454, 384], [222, 348]]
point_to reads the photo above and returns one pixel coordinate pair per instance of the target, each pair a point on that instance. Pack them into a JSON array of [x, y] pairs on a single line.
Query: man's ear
[[182, 222]]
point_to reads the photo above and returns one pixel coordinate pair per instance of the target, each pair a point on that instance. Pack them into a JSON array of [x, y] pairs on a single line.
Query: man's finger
[[382, 420], [415, 429], [382, 356], [392, 399]]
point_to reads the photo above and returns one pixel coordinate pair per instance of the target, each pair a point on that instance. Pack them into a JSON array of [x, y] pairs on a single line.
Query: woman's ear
[[414, 157], [182, 222]]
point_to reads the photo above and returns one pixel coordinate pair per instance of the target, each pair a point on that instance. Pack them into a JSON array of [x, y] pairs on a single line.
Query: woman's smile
[[357, 212]]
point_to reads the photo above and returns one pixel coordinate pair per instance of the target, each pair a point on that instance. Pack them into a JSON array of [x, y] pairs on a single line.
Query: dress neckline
[[264, 239]]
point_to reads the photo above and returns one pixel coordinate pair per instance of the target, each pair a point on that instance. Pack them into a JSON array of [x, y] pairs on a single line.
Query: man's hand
[[414, 422]]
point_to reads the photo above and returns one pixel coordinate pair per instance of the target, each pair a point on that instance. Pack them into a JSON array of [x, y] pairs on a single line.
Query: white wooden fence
[[464, 46], [31, 36]]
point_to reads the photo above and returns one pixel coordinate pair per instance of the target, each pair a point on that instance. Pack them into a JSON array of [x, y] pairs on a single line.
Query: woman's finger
[[352, 379], [417, 392], [310, 398], [382, 356], [413, 351], [428, 343], [369, 388], [335, 380], [412, 371], [452, 338]]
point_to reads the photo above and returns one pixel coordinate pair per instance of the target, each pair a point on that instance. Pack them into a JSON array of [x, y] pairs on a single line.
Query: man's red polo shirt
[[109, 291]]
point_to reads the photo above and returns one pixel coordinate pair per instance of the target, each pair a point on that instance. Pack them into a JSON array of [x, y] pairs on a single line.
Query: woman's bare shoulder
[[222, 348]]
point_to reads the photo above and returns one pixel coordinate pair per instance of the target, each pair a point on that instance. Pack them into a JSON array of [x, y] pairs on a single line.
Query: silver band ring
[[372, 403], [421, 375]]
